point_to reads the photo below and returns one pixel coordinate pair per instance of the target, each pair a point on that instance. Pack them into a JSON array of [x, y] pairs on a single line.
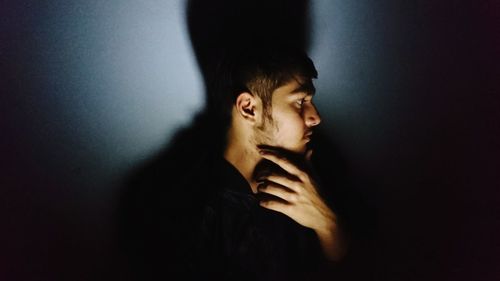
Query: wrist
[[331, 240], [328, 226]]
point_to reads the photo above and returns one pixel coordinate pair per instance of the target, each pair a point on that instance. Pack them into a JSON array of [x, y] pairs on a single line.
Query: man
[[260, 130], [238, 198]]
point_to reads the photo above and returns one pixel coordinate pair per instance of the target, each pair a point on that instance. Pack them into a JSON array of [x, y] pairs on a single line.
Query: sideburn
[[267, 119], [264, 133]]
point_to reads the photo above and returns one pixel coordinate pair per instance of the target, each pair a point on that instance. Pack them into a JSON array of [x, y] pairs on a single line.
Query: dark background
[[408, 91]]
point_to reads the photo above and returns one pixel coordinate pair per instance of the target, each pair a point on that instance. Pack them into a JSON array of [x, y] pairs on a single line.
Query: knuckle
[[292, 197], [271, 187], [304, 177]]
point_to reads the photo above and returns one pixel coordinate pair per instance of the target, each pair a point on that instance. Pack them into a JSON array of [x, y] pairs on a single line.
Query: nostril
[[313, 120], [318, 119], [312, 117]]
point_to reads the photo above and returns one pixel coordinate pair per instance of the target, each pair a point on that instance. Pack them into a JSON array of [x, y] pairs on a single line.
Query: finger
[[284, 181], [278, 191], [284, 163], [275, 205]]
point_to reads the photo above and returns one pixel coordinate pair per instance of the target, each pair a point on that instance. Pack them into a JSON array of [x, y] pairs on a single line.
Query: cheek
[[290, 128]]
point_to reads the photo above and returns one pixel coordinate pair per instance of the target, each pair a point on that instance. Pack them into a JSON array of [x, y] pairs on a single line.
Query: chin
[[301, 150]]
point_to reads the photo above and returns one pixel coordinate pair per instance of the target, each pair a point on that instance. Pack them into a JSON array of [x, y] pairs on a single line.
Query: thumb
[[309, 155]]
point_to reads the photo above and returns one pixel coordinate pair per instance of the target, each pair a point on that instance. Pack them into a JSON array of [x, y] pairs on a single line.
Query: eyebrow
[[306, 87]]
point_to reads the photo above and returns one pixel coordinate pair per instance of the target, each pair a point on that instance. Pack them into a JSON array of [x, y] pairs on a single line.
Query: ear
[[247, 106]]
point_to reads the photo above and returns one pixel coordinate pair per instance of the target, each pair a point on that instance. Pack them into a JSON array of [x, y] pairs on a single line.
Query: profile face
[[293, 117]]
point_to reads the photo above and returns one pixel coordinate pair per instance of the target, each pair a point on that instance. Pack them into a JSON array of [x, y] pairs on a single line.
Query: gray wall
[[91, 88]]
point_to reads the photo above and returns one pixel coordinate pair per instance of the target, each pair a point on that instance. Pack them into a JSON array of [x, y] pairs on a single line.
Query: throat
[[244, 161]]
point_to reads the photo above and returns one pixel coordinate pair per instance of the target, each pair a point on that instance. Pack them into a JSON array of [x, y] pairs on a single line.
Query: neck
[[242, 156]]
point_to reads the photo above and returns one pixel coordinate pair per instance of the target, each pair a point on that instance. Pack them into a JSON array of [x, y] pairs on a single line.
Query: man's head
[[268, 96]]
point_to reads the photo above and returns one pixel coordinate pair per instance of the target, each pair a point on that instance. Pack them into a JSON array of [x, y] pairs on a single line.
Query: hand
[[298, 198], [298, 192]]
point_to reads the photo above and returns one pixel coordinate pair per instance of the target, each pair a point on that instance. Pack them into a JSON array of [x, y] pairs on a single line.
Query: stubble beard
[[265, 135]]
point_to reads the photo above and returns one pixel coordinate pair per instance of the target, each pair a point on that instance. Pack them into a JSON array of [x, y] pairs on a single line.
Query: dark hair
[[256, 70]]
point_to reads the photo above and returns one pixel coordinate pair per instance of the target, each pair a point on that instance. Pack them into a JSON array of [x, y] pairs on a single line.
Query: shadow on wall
[[153, 190]]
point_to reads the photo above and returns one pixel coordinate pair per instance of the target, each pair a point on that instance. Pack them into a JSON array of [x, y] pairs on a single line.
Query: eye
[[301, 101]]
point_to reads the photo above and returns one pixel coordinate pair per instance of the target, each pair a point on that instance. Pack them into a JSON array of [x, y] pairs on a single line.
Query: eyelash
[[302, 101]]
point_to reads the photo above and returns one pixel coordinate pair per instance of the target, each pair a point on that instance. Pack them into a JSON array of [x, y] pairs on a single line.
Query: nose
[[312, 117]]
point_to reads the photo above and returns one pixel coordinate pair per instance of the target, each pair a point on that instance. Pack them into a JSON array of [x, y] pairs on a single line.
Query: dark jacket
[[190, 215]]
